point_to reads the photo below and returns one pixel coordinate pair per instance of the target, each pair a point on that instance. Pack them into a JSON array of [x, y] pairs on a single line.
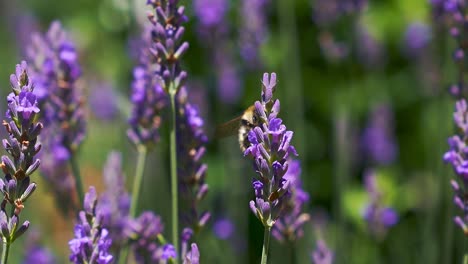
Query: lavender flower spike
[[457, 157], [22, 147], [191, 171], [92, 242], [379, 217], [56, 73], [270, 147], [322, 254], [288, 228]]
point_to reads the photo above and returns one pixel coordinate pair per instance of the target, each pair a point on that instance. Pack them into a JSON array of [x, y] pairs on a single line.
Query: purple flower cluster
[[322, 254], [378, 140], [416, 39], [288, 228], [56, 72], [214, 31], [35, 253], [159, 73], [92, 242], [456, 156], [191, 170], [149, 246], [253, 30], [144, 232], [22, 146], [327, 12], [270, 149], [455, 13], [379, 218], [114, 203], [148, 96]]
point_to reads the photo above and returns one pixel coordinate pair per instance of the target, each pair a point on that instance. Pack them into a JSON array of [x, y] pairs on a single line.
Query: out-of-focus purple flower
[[144, 238], [416, 39], [103, 102], [35, 253], [223, 228], [332, 50], [210, 13], [191, 171], [270, 147], [327, 12], [322, 254], [288, 228], [456, 156], [253, 30], [370, 51], [55, 73], [192, 256], [22, 146], [379, 217], [114, 203], [92, 242], [378, 140], [214, 32]]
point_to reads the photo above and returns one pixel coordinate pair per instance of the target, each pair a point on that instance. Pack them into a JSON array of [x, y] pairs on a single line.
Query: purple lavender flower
[[144, 238], [379, 218], [288, 228], [148, 96], [213, 32], [322, 254], [56, 73], [103, 102], [332, 50], [22, 147], [210, 13], [370, 51], [456, 156], [191, 171], [192, 255], [327, 12], [253, 30], [223, 228], [92, 242], [270, 148], [35, 253], [114, 203], [378, 142], [416, 39]]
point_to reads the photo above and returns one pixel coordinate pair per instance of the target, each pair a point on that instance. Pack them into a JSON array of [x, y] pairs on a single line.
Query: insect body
[[242, 125]]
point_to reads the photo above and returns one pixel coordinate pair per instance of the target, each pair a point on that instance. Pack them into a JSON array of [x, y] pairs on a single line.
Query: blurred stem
[[266, 244], [76, 174], [465, 259], [291, 72], [174, 183], [5, 251], [341, 173], [292, 252], [140, 168]]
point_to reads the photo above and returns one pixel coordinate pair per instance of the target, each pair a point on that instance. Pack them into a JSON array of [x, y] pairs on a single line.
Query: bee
[[240, 125]]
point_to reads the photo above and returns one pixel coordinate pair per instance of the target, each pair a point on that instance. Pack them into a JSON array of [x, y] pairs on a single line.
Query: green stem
[[5, 251], [266, 245], [140, 168], [465, 259], [76, 174], [174, 182], [292, 252]]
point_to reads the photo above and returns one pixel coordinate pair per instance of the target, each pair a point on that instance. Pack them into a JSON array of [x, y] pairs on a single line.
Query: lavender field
[[234, 131]]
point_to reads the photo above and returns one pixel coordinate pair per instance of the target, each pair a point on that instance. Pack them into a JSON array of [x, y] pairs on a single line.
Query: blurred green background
[[327, 103]]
